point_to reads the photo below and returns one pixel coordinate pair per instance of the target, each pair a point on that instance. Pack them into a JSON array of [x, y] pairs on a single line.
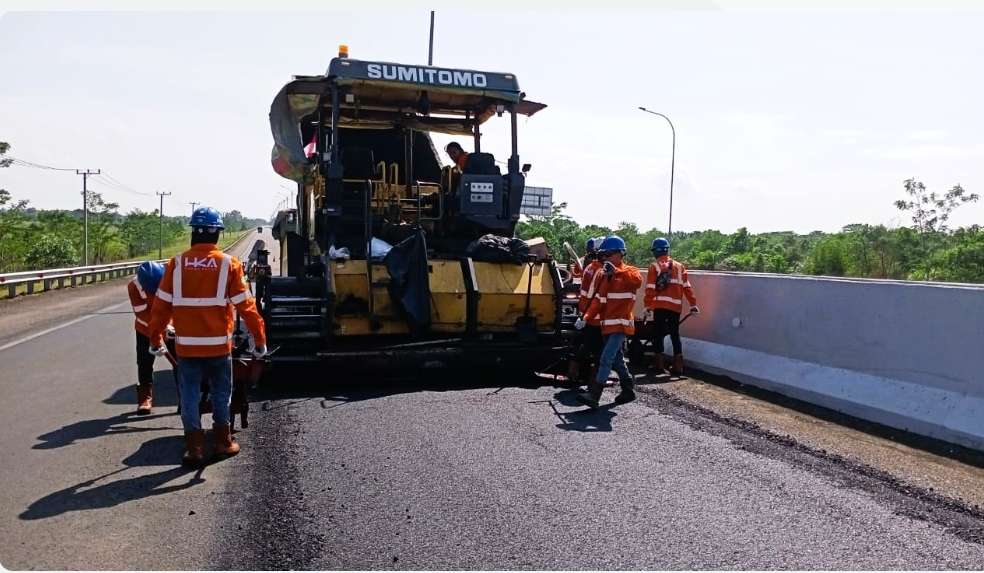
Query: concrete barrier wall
[[905, 354]]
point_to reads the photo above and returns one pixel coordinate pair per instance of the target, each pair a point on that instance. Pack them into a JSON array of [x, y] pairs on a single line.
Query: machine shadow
[[295, 383], [87, 495]]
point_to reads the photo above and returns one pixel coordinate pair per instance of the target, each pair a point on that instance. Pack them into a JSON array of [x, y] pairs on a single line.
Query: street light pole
[[669, 231]]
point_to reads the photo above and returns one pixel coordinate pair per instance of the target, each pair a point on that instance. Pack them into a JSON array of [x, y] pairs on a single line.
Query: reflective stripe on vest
[[621, 295], [239, 297], [140, 308], [202, 340], [670, 299], [164, 295], [618, 321], [140, 289], [142, 322], [220, 289]]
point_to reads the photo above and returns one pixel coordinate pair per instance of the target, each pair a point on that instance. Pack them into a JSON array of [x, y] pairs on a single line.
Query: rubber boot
[[593, 395], [145, 398], [659, 364], [194, 454], [677, 368], [573, 373], [225, 444], [626, 395]]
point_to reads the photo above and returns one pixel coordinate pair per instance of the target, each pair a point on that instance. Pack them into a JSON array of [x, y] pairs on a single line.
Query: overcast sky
[[785, 120]]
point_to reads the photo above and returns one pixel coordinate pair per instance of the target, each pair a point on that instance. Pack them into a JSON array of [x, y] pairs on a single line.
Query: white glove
[[650, 315], [169, 331], [609, 268], [579, 323], [260, 351], [159, 351], [695, 309]]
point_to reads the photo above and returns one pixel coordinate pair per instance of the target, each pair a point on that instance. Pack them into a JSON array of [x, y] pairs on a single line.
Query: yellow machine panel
[[502, 295], [449, 303], [448, 299]]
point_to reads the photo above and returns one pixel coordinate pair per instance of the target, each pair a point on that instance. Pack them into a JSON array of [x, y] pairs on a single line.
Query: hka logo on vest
[[196, 263]]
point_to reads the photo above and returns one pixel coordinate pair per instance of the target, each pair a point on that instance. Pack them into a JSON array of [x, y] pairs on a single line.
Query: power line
[[23, 163]]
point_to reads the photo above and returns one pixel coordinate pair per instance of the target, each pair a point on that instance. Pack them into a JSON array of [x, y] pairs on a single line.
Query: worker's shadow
[[585, 419], [165, 392], [88, 495], [164, 397]]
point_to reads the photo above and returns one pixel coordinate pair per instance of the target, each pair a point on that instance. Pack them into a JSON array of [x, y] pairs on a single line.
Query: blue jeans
[[217, 371], [611, 357]]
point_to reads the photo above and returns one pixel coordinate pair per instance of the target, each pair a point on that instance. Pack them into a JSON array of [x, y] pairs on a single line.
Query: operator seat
[[481, 164]]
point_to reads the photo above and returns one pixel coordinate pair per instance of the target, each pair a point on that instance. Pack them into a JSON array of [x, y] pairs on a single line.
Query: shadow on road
[[87, 495], [165, 392], [88, 429]]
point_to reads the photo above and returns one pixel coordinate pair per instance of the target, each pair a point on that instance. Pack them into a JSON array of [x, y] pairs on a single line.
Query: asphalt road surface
[[444, 471]]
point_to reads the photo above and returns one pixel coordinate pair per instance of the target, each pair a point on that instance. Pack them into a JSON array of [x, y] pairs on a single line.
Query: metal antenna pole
[[430, 50], [85, 173], [669, 231], [160, 248]]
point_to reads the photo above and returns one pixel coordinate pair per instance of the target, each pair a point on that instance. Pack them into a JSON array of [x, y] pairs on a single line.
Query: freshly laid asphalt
[[442, 470]]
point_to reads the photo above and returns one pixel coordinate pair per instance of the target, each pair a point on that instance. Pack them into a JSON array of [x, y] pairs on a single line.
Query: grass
[[184, 242], [175, 248]]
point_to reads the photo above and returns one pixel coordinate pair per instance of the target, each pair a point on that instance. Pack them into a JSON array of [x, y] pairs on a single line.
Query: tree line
[[33, 239], [926, 250]]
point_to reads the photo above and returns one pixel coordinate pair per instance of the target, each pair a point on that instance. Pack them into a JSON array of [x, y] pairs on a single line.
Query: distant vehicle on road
[[259, 229]]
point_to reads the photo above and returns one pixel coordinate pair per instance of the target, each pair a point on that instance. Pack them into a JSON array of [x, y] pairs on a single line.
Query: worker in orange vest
[[667, 284], [199, 289], [142, 290], [589, 348], [613, 306], [458, 155]]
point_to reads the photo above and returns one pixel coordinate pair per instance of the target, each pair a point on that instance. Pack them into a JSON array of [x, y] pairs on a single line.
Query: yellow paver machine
[[390, 258]]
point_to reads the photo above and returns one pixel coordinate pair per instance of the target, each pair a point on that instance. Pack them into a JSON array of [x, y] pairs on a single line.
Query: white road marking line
[[60, 326]]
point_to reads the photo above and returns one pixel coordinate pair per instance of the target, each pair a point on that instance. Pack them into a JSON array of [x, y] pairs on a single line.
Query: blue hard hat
[[660, 245], [590, 244], [149, 275], [206, 217], [612, 243]]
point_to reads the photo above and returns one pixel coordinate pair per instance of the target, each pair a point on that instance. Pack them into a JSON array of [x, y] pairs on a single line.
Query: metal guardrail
[[48, 279]]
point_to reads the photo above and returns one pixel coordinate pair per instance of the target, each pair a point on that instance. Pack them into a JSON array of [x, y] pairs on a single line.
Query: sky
[[785, 120]]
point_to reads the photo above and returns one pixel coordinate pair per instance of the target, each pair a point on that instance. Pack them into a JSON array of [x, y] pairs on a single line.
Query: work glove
[[169, 331], [158, 351], [579, 323], [260, 351], [695, 310], [650, 315], [609, 269]]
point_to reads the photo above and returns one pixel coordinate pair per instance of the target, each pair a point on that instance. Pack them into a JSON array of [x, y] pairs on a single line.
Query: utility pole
[[85, 173], [160, 248], [430, 49], [193, 205]]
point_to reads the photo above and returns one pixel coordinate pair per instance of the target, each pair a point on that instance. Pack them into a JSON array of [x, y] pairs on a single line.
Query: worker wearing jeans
[[200, 289], [218, 372], [613, 305]]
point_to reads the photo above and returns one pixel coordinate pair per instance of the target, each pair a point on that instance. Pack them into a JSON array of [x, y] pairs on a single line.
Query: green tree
[[930, 215], [51, 251]]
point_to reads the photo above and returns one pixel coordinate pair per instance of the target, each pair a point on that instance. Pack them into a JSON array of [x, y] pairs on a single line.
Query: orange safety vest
[[199, 290], [142, 304], [589, 288], [615, 299], [671, 297]]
